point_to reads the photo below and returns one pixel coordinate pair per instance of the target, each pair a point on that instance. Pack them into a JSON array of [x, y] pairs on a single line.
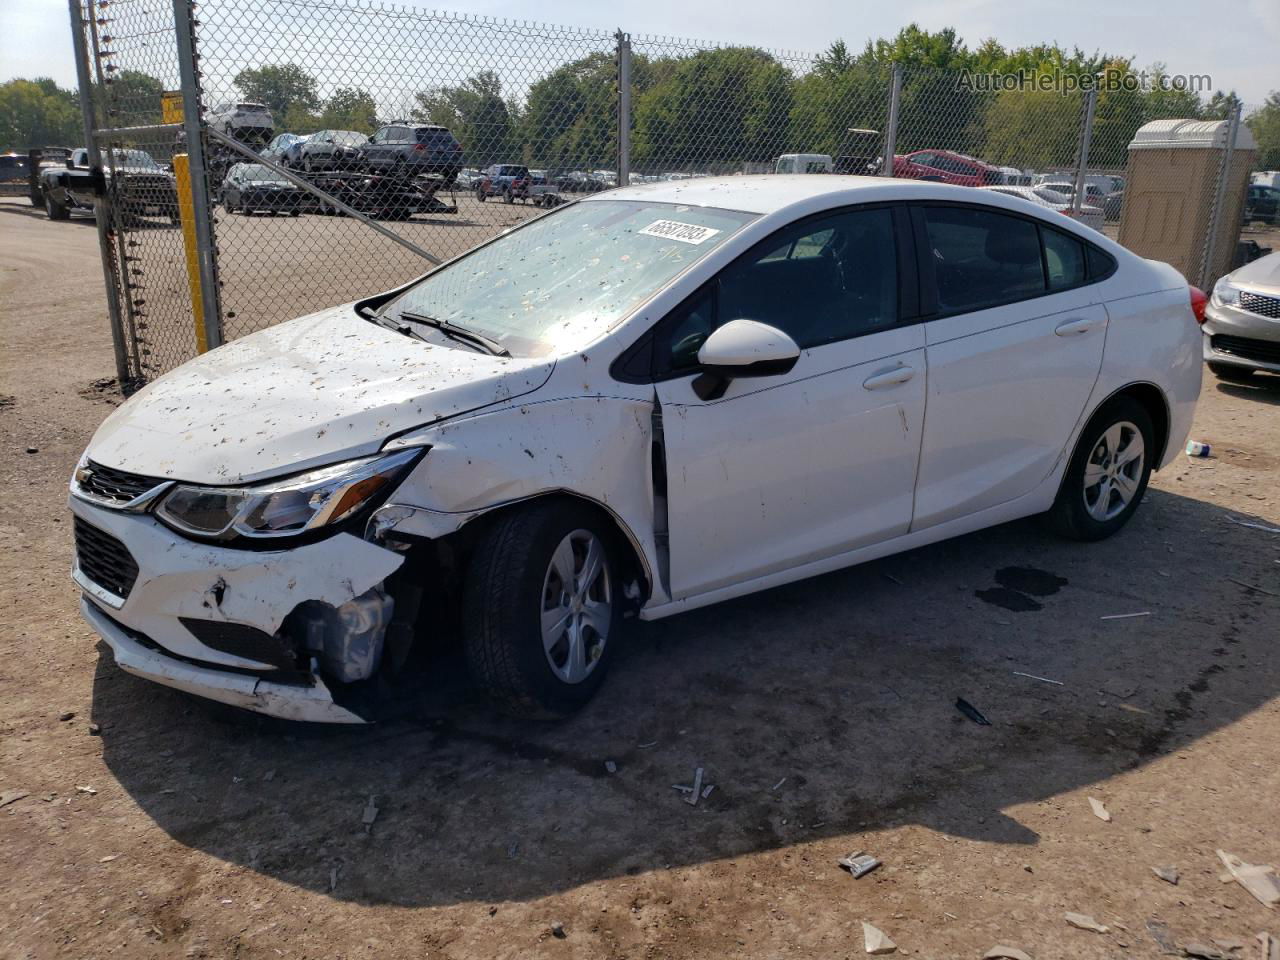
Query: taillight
[[1198, 302], [419, 147]]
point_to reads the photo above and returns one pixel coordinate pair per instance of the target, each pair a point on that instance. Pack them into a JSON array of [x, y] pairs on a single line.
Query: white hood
[[309, 392]]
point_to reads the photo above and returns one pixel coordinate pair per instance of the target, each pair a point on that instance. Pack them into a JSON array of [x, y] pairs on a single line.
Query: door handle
[[1069, 328], [889, 378]]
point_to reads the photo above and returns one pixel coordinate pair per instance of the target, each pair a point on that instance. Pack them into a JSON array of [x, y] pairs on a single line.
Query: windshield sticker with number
[[675, 230]]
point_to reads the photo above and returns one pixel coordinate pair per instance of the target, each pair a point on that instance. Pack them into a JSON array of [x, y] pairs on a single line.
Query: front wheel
[[56, 209], [1107, 474], [540, 611], [1231, 373]]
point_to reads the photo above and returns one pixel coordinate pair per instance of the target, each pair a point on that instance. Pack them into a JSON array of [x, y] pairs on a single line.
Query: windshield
[[135, 158], [567, 277], [349, 138], [257, 173]]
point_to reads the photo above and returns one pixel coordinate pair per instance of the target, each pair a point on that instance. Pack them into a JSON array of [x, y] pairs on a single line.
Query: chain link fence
[[337, 148]]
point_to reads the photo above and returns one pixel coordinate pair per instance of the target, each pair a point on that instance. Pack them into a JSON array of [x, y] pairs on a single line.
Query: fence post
[[206, 264], [891, 129], [1219, 199], [125, 376], [624, 108], [1086, 139]]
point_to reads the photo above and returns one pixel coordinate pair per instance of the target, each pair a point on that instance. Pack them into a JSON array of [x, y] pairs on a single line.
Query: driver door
[[788, 469]]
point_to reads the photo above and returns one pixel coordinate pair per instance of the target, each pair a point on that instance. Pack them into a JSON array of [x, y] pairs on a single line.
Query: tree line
[[719, 109]]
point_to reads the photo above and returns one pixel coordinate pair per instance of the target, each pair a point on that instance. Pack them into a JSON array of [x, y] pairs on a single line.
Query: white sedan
[[644, 402], [1090, 215]]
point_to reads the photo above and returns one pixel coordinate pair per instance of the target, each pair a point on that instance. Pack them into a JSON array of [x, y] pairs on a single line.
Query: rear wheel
[[1231, 373], [540, 608], [55, 208], [1107, 474]]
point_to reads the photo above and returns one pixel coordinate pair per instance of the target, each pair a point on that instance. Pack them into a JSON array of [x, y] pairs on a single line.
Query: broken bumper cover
[[311, 703], [179, 581]]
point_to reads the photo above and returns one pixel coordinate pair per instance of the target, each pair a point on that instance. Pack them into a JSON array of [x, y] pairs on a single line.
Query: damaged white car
[[644, 402]]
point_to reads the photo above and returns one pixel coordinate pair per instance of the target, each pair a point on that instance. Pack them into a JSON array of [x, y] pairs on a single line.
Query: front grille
[[1260, 304], [104, 559], [1264, 351], [115, 486]]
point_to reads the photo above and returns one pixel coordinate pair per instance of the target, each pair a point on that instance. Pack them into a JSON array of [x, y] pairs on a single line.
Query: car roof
[[770, 192]]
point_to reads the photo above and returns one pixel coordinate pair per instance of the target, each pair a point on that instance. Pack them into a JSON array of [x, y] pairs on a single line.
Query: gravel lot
[[158, 825]]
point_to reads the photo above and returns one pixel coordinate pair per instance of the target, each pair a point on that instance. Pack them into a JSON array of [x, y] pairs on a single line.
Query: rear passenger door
[[1014, 347]]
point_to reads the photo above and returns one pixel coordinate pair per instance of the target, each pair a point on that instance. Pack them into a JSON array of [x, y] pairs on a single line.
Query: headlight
[[1225, 294], [284, 508]]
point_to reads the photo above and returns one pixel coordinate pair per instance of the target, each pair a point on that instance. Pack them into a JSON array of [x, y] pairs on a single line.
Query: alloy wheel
[[1113, 471], [576, 609]]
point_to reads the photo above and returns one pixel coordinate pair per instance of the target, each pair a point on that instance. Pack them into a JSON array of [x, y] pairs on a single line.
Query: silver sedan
[[1242, 321]]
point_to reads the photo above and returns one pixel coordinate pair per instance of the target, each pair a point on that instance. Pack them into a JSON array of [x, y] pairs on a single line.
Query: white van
[[804, 163]]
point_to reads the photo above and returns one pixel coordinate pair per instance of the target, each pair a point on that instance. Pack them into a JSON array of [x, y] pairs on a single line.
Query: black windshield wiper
[[488, 344], [384, 321]]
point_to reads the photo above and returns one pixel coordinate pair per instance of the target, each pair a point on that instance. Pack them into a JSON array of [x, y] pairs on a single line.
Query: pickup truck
[[140, 186]]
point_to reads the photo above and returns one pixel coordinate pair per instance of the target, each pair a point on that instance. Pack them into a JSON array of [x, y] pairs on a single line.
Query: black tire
[[1231, 373], [56, 209], [480, 194], [1070, 516], [502, 600], [507, 196]]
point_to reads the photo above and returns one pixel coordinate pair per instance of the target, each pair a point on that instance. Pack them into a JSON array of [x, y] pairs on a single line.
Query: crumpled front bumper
[[180, 579]]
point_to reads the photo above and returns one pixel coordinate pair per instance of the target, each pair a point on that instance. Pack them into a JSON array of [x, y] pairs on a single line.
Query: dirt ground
[[158, 825]]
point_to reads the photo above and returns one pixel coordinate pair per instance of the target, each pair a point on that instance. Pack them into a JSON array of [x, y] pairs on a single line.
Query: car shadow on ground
[[1261, 387], [821, 709], [38, 213]]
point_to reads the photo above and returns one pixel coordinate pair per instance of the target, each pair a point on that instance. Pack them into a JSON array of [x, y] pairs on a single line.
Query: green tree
[[1265, 125], [37, 113], [717, 108], [349, 108], [570, 115], [281, 86], [477, 116]]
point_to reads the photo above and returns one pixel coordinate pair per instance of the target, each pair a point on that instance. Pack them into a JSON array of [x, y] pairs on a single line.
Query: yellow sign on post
[[187, 214], [171, 106]]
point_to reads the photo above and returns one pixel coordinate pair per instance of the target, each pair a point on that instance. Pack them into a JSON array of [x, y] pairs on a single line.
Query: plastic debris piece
[[972, 712], [696, 792], [706, 791], [1250, 586], [1126, 616], [1086, 922], [858, 863], [370, 813], [777, 786], [1197, 449], [89, 790], [1259, 879], [1163, 936], [1167, 874], [1253, 526], [1099, 810], [1032, 676], [875, 941], [610, 766], [557, 930], [1005, 953], [108, 859]]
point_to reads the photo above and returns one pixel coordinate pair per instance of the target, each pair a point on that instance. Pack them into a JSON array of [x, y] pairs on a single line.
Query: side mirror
[[742, 348]]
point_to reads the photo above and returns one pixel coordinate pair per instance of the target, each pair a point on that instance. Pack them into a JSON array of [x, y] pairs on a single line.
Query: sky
[[1236, 45]]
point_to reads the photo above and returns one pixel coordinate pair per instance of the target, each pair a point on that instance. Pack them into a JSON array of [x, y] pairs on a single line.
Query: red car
[[946, 166], [509, 181]]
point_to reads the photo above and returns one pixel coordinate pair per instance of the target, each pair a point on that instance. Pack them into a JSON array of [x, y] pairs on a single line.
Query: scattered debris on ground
[[69, 715], [1163, 936], [1005, 953], [1126, 616], [610, 767], [858, 863], [1167, 874], [89, 790], [875, 941], [557, 930], [1032, 676], [1203, 951], [1253, 526], [1259, 879], [1099, 810], [970, 711], [370, 814], [1086, 922], [12, 796]]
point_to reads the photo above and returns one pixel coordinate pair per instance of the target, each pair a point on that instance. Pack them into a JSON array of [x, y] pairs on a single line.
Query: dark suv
[[402, 148]]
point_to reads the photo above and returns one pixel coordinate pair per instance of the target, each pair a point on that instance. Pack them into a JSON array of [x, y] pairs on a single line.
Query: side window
[[819, 281], [1063, 259], [981, 258], [1101, 264]]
